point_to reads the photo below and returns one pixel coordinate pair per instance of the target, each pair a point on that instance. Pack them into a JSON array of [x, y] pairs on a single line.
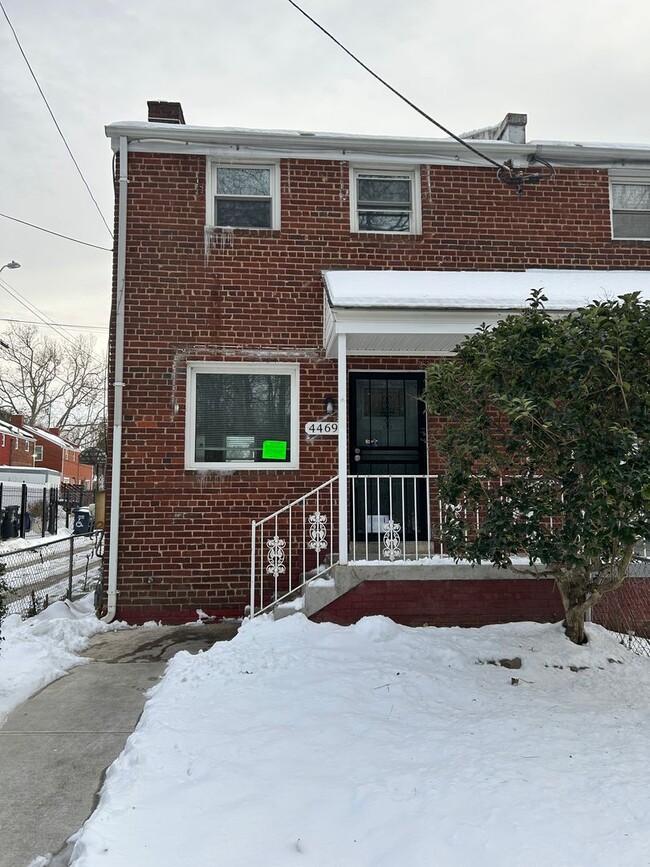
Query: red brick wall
[[23, 456], [448, 603], [184, 535]]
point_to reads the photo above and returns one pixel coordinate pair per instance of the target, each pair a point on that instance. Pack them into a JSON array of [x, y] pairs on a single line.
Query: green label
[[274, 450]]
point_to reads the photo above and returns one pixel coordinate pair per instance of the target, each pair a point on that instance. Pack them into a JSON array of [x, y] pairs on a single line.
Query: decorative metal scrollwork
[[276, 547], [317, 531], [392, 541]]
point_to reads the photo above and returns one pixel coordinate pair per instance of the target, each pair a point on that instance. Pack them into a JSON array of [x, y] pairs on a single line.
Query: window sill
[[229, 468]]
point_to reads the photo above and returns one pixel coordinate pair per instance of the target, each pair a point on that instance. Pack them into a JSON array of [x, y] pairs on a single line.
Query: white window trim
[[26, 445], [416, 196], [4, 440], [620, 177], [38, 453], [195, 367], [210, 190]]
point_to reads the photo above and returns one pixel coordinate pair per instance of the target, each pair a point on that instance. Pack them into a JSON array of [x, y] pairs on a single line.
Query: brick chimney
[[512, 128], [17, 420], [165, 112], [55, 430]]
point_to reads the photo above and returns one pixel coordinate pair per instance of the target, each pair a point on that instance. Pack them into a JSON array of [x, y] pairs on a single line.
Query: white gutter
[[118, 386], [152, 137]]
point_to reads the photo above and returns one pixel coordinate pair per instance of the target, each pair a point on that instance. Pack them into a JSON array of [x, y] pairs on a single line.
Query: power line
[[34, 310], [59, 324], [506, 172], [58, 234], [56, 123], [397, 93]]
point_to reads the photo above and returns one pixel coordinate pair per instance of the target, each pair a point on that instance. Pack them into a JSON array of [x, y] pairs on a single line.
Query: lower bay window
[[242, 416]]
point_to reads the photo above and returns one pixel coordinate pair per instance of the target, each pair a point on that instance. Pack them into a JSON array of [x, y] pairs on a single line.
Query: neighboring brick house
[[266, 281], [55, 453], [16, 446]]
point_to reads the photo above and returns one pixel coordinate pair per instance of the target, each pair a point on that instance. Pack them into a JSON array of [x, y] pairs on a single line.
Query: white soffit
[[430, 312]]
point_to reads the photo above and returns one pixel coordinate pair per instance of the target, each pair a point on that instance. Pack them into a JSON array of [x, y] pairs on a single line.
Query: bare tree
[[53, 383]]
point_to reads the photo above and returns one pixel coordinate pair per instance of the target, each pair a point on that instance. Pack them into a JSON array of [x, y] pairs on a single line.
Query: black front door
[[388, 438]]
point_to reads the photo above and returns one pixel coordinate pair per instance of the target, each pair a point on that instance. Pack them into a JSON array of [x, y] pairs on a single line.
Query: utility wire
[[31, 361], [59, 324], [45, 319], [58, 234], [398, 94], [32, 309], [56, 123]]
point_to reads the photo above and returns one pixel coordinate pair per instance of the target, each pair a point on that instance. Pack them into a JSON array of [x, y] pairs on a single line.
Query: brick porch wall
[[448, 603]]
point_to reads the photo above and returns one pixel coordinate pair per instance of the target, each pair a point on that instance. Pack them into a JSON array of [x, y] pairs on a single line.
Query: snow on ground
[[378, 745], [36, 651]]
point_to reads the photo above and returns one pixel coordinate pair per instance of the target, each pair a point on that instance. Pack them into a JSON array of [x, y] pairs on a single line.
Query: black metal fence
[[45, 572], [28, 510]]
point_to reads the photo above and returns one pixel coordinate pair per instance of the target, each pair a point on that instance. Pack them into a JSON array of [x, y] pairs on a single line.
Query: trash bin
[[83, 521], [10, 525]]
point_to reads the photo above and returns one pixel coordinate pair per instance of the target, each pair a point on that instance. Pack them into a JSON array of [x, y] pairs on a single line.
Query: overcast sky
[[579, 69]]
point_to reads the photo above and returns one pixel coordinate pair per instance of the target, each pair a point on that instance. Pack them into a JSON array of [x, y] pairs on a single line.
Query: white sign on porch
[[317, 428]]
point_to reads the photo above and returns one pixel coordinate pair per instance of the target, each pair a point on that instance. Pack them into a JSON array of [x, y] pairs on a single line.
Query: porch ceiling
[[431, 312]]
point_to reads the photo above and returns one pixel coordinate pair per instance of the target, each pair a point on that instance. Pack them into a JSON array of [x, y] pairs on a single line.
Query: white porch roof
[[431, 312]]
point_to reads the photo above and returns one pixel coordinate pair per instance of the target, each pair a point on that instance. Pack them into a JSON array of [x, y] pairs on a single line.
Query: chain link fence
[[626, 611], [45, 572]]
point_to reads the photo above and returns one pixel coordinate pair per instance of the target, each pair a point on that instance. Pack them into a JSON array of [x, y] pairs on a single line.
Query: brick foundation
[[448, 603]]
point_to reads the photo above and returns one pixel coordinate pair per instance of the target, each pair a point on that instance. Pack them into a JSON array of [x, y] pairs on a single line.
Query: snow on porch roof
[[478, 290], [430, 312]]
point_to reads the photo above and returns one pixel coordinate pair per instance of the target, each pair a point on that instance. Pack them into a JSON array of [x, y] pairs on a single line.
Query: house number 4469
[[315, 428]]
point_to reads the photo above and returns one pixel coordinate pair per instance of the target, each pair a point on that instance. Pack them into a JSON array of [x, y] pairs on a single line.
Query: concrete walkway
[[55, 748]]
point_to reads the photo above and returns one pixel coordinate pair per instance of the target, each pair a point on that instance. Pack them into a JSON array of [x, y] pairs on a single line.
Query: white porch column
[[343, 448]]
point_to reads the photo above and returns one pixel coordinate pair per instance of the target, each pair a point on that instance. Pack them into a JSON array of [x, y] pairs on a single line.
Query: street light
[[11, 265]]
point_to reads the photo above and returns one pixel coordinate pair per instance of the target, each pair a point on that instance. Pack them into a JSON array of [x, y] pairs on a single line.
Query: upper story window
[[38, 453], [243, 196], [630, 207], [385, 201], [242, 416]]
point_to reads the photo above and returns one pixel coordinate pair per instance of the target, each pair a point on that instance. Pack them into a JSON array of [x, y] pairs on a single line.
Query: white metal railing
[[293, 546], [391, 519], [395, 518]]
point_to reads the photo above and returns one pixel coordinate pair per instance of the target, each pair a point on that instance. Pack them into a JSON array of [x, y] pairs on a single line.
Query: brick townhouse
[[53, 452], [277, 298], [16, 446]]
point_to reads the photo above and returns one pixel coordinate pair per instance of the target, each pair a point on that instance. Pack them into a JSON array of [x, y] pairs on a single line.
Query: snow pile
[[39, 650], [375, 745]]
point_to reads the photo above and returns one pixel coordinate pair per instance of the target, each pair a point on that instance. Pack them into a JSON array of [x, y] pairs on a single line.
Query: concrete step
[[319, 593]]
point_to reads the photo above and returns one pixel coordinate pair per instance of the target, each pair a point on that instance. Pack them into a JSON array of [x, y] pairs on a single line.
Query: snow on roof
[[184, 131], [479, 290], [13, 431], [53, 438]]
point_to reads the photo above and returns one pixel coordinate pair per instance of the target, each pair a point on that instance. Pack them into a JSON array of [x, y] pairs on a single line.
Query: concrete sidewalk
[[55, 747]]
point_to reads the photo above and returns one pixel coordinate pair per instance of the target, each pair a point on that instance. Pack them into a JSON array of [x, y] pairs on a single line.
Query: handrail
[[293, 552], [295, 502]]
